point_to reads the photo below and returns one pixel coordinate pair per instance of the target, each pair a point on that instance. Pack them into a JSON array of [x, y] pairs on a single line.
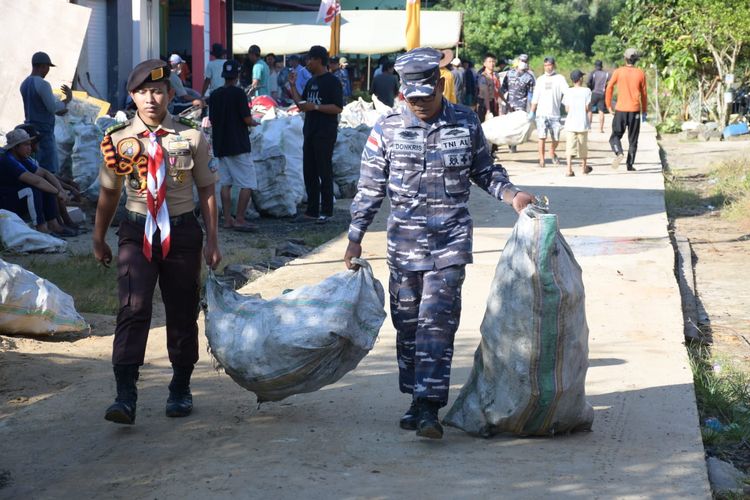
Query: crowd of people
[[30, 184]]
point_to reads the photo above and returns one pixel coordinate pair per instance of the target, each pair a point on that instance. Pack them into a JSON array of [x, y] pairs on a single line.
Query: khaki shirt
[[186, 155]]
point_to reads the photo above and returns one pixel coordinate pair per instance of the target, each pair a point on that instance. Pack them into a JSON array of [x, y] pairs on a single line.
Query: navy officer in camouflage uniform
[[423, 156]]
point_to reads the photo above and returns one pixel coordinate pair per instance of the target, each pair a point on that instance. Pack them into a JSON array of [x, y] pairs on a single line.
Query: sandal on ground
[[588, 170], [247, 228], [570, 174], [65, 233], [304, 219]]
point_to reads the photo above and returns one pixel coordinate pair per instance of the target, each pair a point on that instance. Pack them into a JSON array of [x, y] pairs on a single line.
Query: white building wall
[[145, 30], [94, 56]]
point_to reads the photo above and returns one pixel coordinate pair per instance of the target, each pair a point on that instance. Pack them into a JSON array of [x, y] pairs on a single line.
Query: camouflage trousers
[[426, 309]]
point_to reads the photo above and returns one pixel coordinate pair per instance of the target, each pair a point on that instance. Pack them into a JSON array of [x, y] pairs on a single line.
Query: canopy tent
[[362, 31]]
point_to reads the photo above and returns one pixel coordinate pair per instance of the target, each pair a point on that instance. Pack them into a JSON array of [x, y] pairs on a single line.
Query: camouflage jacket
[[518, 85], [426, 168]]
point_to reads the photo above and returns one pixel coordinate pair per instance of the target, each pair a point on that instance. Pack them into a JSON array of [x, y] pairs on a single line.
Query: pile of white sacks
[[79, 133], [276, 151]]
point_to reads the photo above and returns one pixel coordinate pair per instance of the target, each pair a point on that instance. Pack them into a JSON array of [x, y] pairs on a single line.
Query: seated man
[[28, 190], [183, 98], [70, 189]]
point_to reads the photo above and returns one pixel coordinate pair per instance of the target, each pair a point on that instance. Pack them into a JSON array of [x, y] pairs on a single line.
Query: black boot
[[428, 424], [122, 411], [409, 420], [180, 402]]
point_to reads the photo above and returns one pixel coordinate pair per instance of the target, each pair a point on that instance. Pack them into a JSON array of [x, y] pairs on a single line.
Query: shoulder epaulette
[[115, 128], [190, 123]]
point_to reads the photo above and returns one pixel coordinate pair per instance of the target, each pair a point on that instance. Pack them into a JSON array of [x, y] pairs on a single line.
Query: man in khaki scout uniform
[[158, 159]]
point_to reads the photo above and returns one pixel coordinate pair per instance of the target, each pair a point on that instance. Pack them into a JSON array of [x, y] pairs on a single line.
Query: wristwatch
[[317, 107]]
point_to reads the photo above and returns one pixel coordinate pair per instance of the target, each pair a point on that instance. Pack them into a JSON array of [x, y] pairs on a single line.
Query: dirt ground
[[721, 247]]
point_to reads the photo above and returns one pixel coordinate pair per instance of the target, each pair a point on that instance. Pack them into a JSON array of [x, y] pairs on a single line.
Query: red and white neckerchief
[[156, 194]]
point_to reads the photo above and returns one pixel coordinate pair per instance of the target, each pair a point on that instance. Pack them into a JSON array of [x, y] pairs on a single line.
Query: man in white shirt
[[545, 108], [577, 102], [213, 79]]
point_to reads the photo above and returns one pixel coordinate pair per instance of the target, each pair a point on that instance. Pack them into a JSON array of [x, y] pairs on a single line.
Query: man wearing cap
[[40, 107], [632, 102], [259, 84], [598, 85], [28, 189], [445, 73], [423, 156], [577, 102], [159, 160], [230, 117], [545, 108], [182, 97], [458, 80], [342, 73], [322, 101], [68, 188], [213, 79], [518, 84]]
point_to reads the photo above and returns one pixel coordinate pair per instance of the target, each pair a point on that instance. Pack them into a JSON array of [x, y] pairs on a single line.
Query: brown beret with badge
[[149, 71]]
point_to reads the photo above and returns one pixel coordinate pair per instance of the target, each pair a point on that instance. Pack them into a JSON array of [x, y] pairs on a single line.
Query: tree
[[534, 27], [695, 42]]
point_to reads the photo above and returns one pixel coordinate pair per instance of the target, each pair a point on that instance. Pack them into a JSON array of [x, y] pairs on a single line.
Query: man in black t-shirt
[[230, 116], [322, 101]]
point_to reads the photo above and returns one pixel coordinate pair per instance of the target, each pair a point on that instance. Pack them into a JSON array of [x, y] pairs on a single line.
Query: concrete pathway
[[344, 441]]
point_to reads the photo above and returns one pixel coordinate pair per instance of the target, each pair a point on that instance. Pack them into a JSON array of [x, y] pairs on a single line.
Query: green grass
[[732, 182], [683, 199], [726, 188], [92, 286], [723, 392]]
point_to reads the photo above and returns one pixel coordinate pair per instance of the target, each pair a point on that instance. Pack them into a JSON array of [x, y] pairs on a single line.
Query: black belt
[[173, 221]]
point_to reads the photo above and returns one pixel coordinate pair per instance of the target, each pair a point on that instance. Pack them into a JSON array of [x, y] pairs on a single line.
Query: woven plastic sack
[[32, 305], [511, 129], [277, 155], [529, 371], [16, 236], [299, 341]]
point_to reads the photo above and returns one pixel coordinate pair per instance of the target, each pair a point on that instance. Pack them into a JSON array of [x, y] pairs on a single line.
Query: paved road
[[344, 441]]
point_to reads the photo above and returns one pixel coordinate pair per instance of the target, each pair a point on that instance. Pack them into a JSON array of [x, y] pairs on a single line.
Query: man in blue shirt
[[40, 107], [303, 75], [338, 66], [27, 189]]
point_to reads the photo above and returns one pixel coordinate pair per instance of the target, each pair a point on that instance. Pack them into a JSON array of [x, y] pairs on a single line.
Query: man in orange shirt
[[630, 109]]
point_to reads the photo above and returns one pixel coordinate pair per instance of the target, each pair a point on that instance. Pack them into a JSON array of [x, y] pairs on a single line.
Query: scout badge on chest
[[178, 157], [127, 159]]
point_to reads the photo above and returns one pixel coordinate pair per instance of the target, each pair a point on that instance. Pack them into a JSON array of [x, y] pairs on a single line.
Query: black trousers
[[317, 168], [31, 203], [179, 280], [630, 120], [482, 111]]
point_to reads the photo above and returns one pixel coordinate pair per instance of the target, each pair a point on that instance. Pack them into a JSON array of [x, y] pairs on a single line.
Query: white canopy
[[362, 31]]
